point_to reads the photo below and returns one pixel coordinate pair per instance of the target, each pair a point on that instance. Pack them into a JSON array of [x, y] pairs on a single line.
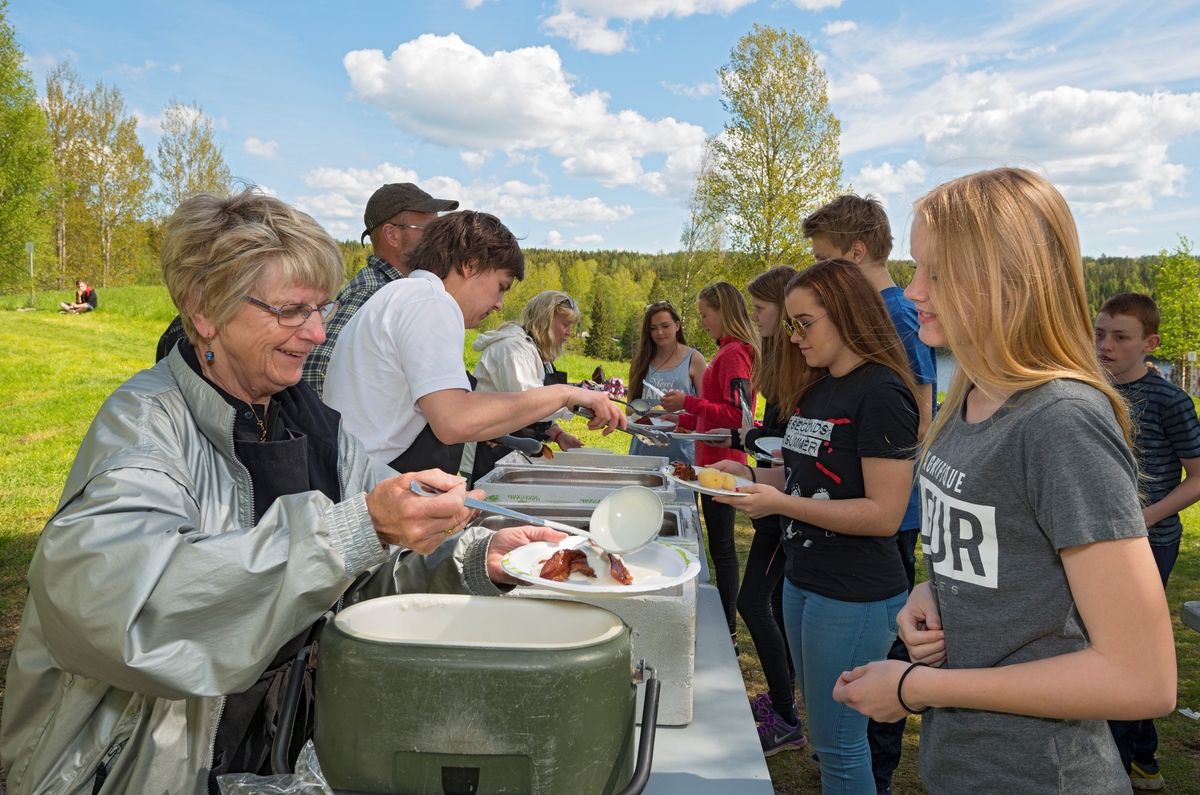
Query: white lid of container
[[486, 622]]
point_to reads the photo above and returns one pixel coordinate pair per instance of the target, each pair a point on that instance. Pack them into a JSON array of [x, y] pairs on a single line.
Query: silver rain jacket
[[151, 595]]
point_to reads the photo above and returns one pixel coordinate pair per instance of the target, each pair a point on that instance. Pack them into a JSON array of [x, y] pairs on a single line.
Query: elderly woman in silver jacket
[[214, 511]]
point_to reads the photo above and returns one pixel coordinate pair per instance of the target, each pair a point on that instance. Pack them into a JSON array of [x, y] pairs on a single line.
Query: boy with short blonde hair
[[1168, 444]]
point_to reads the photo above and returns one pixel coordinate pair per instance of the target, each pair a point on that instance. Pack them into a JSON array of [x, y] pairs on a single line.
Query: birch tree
[[190, 160], [777, 158]]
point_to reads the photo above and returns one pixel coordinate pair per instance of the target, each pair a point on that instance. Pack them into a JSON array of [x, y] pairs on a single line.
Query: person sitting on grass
[[1168, 444], [85, 299]]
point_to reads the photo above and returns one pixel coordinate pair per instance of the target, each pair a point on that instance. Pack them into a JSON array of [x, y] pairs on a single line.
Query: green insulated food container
[[441, 694]]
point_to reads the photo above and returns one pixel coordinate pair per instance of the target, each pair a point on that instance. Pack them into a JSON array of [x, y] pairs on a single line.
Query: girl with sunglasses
[[841, 493], [664, 361], [725, 396], [1044, 613]]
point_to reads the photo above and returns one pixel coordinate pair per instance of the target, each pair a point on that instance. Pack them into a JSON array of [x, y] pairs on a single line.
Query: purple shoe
[[777, 736], [760, 705]]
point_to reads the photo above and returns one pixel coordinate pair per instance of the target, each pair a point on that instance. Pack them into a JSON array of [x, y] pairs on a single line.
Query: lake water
[[946, 367]]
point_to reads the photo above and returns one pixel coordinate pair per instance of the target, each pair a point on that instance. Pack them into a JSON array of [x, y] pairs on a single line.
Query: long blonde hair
[[1006, 277], [729, 301]]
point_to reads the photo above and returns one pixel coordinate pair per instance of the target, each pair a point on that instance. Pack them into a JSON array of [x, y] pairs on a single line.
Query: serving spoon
[[649, 436], [625, 520]]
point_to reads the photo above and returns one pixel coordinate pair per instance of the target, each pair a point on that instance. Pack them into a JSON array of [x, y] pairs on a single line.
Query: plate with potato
[[707, 480]]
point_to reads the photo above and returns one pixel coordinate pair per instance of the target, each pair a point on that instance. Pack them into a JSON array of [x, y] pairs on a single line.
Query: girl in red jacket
[[725, 394]]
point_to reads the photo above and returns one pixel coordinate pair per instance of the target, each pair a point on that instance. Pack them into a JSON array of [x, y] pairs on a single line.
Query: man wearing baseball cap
[[396, 215]]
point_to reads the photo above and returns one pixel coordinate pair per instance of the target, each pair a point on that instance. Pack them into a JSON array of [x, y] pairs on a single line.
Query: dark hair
[[861, 318], [467, 237], [646, 347], [849, 218], [771, 288], [1135, 305]]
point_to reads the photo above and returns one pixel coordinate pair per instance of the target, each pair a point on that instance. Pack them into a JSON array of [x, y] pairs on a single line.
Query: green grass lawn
[[56, 370]]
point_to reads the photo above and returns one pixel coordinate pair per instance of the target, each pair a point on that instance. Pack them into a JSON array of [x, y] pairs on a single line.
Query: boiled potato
[[729, 482], [710, 478]]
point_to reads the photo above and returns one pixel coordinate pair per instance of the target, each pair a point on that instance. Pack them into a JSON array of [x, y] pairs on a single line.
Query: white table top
[[719, 753]]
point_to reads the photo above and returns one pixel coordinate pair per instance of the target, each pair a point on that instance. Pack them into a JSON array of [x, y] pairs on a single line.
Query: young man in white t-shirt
[[398, 365]]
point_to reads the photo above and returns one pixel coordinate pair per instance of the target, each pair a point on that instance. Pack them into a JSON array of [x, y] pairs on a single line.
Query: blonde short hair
[[538, 319], [217, 249]]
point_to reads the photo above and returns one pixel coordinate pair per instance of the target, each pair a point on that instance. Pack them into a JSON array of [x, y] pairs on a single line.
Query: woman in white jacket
[[520, 356]]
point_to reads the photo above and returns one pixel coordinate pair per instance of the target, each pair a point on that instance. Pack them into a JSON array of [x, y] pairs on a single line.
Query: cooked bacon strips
[[619, 572], [564, 562], [683, 471], [643, 421]]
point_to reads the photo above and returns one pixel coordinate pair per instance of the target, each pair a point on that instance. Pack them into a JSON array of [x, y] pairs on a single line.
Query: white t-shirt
[[404, 343]]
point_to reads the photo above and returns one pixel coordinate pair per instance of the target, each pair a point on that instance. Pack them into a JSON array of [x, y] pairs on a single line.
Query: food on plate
[[680, 430], [547, 453], [643, 421], [565, 562], [683, 471], [619, 572], [716, 479]]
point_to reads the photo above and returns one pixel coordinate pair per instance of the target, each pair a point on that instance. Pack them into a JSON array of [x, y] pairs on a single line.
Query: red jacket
[[727, 375]]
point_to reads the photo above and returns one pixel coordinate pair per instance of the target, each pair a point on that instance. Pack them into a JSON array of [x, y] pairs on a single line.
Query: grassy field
[[55, 370]]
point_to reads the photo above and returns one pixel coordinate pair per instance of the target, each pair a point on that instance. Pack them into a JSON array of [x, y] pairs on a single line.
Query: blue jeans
[[827, 637]]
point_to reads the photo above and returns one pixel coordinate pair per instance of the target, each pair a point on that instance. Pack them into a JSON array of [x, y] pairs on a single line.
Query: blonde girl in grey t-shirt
[[1044, 614]]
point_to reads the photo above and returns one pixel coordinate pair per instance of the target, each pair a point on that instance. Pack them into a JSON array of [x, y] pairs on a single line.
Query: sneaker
[[777, 736], [814, 760], [1146, 775], [761, 706]]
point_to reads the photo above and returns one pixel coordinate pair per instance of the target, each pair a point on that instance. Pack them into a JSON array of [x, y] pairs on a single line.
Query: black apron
[[429, 452], [486, 455]]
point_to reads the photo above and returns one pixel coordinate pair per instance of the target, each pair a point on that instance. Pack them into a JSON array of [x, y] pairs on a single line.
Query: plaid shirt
[[375, 274]]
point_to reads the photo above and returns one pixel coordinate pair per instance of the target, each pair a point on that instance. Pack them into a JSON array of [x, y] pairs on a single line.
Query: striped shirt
[[1166, 431], [375, 274]]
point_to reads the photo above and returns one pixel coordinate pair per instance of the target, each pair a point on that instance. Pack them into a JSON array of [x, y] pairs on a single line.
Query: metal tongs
[[648, 435]]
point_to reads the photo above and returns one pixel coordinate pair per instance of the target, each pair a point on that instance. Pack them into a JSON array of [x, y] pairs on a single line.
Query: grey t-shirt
[[999, 499]]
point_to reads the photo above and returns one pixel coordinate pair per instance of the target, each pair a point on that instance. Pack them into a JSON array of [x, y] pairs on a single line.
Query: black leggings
[[760, 604], [718, 529]]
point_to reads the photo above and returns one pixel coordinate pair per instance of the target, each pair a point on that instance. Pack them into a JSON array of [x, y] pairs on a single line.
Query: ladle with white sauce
[[625, 521]]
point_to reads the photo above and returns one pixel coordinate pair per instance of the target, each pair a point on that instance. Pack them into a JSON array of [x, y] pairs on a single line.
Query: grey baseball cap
[[391, 200]]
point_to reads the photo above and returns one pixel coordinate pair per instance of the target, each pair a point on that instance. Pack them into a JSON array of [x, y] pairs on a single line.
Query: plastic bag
[[307, 780]]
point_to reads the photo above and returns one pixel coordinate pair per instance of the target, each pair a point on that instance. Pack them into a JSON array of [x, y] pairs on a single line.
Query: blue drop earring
[[208, 356]]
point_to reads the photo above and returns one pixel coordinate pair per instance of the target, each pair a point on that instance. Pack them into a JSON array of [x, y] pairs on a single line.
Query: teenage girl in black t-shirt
[[841, 494]]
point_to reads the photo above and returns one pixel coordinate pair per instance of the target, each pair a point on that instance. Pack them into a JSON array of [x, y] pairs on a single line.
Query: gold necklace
[[261, 425]]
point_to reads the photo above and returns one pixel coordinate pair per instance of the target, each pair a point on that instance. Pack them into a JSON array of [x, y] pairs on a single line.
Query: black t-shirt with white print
[[867, 413]]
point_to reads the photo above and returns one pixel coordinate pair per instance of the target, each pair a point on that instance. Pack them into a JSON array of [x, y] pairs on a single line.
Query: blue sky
[[581, 122]]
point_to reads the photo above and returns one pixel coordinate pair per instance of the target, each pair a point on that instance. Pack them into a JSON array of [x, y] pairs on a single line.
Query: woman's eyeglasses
[[662, 304], [797, 329], [569, 303], [293, 315]]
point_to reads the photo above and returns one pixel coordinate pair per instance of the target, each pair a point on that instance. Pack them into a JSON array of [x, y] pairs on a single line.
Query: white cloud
[[471, 5], [1105, 150], [840, 26], [474, 160], [1125, 230], [816, 5], [697, 91], [176, 68], [554, 239], [135, 72], [585, 22], [343, 193], [147, 121], [861, 85], [447, 92], [587, 240], [263, 149], [886, 178]]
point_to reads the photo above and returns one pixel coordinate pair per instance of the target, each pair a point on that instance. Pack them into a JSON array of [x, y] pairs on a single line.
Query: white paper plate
[[699, 437], [655, 423], [769, 446], [654, 567], [694, 486]]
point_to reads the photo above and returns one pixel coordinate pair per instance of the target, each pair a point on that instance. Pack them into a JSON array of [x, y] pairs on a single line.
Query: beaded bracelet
[[900, 688]]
